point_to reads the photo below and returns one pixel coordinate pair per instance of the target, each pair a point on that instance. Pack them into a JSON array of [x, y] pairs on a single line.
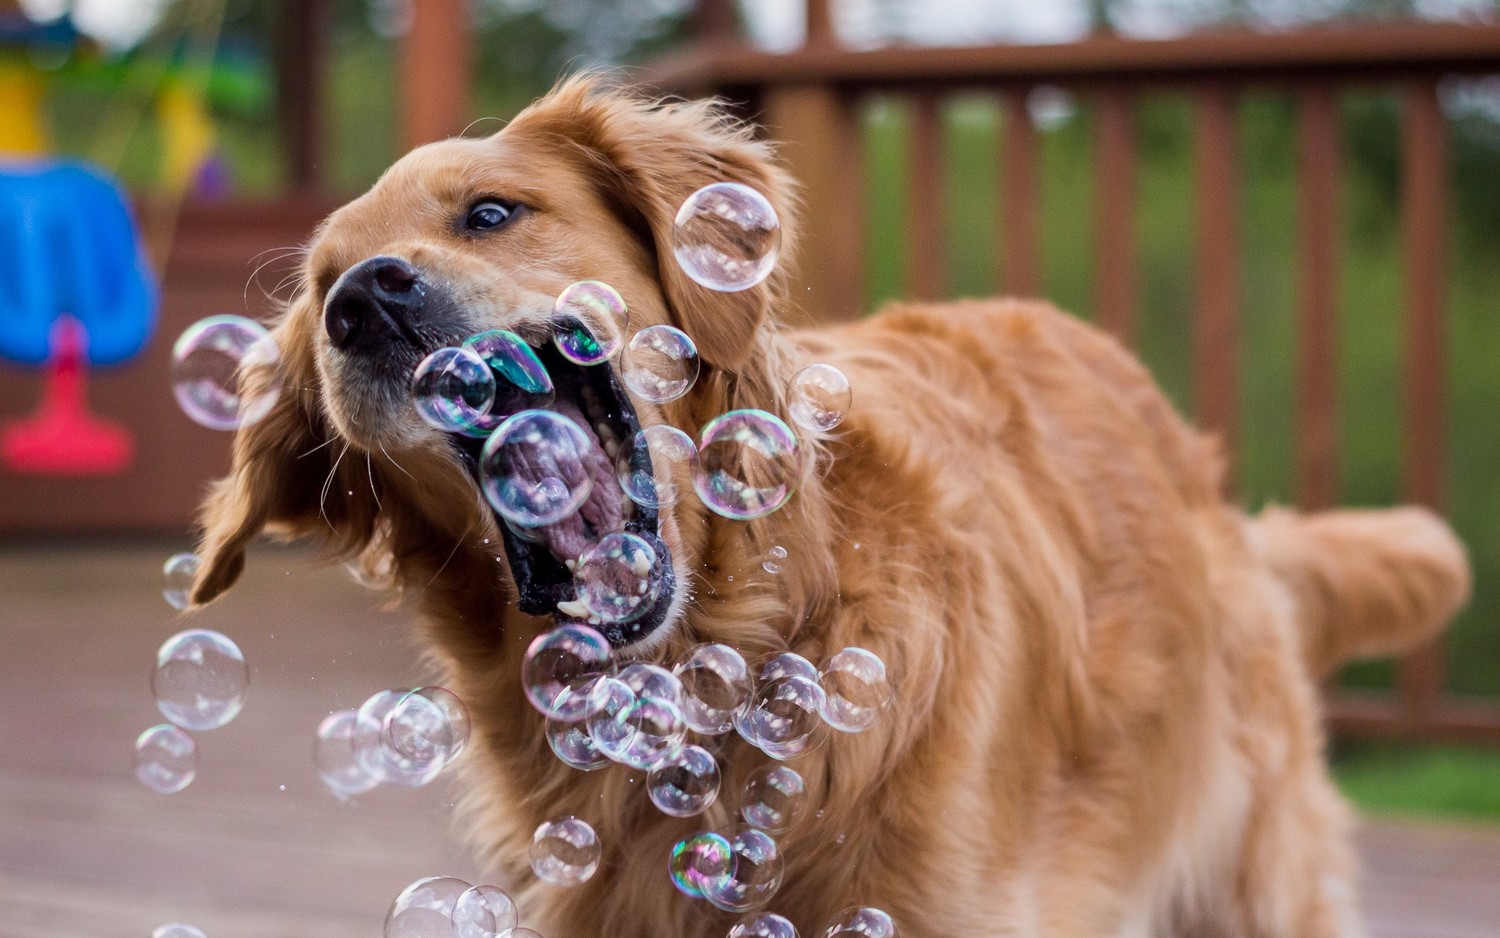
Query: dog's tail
[[1365, 583]]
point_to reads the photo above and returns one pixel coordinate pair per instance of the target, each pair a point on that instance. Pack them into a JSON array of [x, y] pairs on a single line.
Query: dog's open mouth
[[544, 560]]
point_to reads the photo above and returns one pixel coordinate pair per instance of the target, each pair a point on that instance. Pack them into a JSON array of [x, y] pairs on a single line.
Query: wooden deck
[[86, 851]]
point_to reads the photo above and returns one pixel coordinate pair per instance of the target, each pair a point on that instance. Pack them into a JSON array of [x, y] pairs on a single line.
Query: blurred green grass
[[1389, 779]]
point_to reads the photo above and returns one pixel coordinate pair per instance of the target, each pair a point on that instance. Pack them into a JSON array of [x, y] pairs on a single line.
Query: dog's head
[[470, 235]]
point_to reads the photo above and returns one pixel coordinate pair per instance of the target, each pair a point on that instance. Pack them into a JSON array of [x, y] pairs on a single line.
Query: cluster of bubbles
[[398, 738], [199, 684], [448, 907]]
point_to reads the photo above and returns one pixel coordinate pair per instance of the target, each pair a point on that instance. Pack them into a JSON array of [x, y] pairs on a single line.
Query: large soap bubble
[[213, 372], [726, 236]]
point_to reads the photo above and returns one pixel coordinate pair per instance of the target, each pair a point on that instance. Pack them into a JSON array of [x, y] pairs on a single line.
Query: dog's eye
[[486, 215]]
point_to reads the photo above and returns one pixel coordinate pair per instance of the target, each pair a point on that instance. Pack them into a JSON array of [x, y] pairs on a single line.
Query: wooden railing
[[810, 99]]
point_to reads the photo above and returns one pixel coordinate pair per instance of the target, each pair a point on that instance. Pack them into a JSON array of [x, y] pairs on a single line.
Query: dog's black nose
[[375, 302]]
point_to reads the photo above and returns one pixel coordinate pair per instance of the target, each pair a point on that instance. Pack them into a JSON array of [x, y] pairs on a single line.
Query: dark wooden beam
[[436, 65]]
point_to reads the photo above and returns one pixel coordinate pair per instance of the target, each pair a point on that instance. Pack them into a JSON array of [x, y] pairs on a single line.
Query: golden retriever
[[1106, 710]]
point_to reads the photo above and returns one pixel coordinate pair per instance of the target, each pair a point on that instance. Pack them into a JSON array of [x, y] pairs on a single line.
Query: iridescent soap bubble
[[574, 747], [861, 923], [660, 363], [166, 759], [819, 398], [747, 464], [532, 468], [642, 733], [334, 757], [223, 372], [589, 320], [764, 925], [698, 861], [787, 664], [856, 689], [178, 574], [784, 717], [685, 783], [376, 725], [608, 717], [429, 724], [651, 680], [775, 560], [650, 465], [521, 380], [564, 851], [484, 912], [617, 579], [774, 798], [425, 908], [754, 875], [178, 930], [558, 660], [452, 390], [726, 236], [715, 686], [200, 679]]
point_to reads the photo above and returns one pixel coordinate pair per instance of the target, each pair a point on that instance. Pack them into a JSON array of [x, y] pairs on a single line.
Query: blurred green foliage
[[1382, 778]]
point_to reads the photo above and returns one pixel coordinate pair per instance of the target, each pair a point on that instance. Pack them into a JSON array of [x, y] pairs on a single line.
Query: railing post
[[1020, 215], [1216, 325], [435, 57], [1318, 251], [1114, 192], [300, 93], [926, 269]]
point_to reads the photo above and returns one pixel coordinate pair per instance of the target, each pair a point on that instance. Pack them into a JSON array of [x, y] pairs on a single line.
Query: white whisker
[[370, 471], [318, 447], [461, 538], [394, 463], [327, 483]]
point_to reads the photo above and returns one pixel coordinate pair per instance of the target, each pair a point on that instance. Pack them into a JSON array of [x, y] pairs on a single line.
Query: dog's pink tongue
[[602, 512]]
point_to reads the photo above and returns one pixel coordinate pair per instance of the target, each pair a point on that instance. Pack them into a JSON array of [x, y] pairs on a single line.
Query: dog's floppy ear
[[648, 157]]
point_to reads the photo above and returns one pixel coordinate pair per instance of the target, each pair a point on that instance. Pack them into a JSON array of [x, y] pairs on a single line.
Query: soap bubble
[[685, 783], [787, 664], [819, 398], [521, 380], [660, 363], [425, 908], [764, 925], [178, 930], [651, 680], [453, 390], [775, 560], [178, 574], [856, 690], [572, 745], [651, 463], [698, 861], [861, 923], [557, 660], [166, 759], [774, 799], [747, 464], [564, 851], [484, 912], [715, 686], [607, 716], [640, 732], [379, 722], [532, 468], [334, 757], [784, 717], [726, 236], [522, 933], [589, 320], [200, 679], [429, 724], [754, 875], [215, 365], [616, 579]]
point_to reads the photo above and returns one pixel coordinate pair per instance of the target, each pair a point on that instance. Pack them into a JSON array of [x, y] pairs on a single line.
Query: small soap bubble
[[787, 664], [617, 579], [334, 757], [652, 465], [223, 372], [425, 908], [178, 930], [641, 732], [574, 747], [608, 723], [429, 724], [784, 718], [715, 687], [726, 237], [861, 923], [521, 380], [698, 861], [484, 912], [754, 875], [686, 783], [453, 390], [178, 574], [651, 680], [819, 398], [532, 468], [774, 799], [764, 925], [747, 464], [660, 363], [856, 689], [564, 658], [589, 320], [166, 759], [373, 743], [200, 679], [564, 851], [775, 560]]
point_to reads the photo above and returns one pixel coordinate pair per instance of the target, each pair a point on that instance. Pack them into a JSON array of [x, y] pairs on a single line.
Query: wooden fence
[[811, 100]]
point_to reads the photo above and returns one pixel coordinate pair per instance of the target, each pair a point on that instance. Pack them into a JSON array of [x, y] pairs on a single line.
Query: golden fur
[[1106, 718]]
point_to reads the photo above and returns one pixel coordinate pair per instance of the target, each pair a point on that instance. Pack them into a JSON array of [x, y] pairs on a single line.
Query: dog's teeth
[[571, 564], [573, 608], [612, 448], [640, 566]]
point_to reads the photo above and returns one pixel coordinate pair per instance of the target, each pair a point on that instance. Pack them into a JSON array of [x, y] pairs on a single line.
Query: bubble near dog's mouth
[[543, 559]]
